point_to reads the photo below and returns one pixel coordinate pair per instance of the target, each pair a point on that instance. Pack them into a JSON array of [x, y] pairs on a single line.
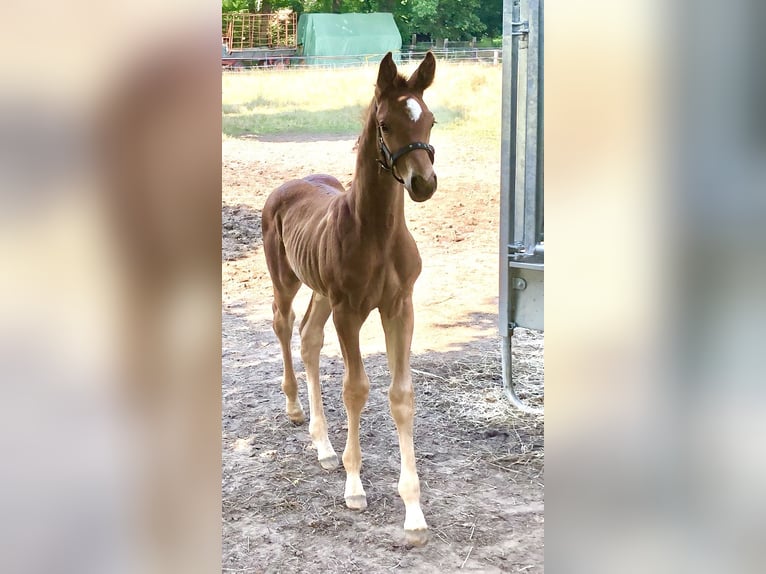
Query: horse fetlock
[[326, 455], [294, 411], [329, 462], [317, 429], [352, 460], [409, 490], [356, 497]]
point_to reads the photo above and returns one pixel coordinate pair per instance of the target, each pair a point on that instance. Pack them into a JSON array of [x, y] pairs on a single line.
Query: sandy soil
[[480, 462]]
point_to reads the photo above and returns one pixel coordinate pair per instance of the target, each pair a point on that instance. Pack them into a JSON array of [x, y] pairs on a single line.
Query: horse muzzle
[[421, 188]]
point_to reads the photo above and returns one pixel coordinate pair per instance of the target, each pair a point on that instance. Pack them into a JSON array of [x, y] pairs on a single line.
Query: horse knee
[[355, 393], [401, 395], [283, 323], [402, 402], [311, 341]]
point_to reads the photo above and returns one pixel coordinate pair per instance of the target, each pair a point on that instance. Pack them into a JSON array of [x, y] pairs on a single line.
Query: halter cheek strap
[[389, 159]]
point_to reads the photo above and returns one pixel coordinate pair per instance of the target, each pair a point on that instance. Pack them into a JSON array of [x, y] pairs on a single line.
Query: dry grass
[[464, 97], [468, 391], [476, 392]]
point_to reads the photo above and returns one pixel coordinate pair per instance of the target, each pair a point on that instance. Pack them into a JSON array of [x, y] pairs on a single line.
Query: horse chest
[[368, 277]]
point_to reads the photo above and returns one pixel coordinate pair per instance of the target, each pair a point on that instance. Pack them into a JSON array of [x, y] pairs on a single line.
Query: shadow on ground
[[241, 229], [477, 321], [480, 464]]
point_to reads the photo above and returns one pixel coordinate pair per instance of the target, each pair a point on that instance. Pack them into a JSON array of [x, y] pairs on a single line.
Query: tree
[[491, 14], [453, 19], [234, 6], [261, 6]]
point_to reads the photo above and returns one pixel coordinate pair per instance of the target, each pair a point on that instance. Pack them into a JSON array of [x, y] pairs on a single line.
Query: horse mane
[[368, 123], [399, 82], [368, 118]]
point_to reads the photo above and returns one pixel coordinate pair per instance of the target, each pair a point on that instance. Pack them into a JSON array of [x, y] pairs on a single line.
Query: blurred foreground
[[110, 290], [655, 283]]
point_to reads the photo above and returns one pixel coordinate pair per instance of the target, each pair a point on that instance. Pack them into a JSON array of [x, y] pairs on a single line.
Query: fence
[[458, 54], [448, 44], [271, 59]]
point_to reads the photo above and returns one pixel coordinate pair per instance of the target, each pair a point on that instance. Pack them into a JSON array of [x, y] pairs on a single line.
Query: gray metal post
[[521, 200], [509, 120], [532, 174]]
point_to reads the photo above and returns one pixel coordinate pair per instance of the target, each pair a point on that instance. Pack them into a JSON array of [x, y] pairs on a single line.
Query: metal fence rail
[[264, 58]]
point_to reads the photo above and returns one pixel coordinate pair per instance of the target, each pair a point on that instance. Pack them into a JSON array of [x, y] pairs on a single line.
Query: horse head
[[404, 126]]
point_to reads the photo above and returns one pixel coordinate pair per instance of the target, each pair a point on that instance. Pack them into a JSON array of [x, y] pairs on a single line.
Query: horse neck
[[378, 199]]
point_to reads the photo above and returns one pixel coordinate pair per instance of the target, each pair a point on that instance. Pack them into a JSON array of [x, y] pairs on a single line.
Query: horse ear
[[386, 74], [424, 75]]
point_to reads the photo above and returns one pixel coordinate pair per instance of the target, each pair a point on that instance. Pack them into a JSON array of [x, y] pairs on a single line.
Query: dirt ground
[[480, 462]]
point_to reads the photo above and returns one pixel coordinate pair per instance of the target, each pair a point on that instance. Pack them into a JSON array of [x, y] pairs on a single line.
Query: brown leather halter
[[389, 159]]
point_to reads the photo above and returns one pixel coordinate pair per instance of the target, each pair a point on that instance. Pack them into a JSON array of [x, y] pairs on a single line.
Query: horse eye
[[383, 128]]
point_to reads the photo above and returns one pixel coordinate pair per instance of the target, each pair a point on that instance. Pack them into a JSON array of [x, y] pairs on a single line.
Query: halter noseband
[[389, 159]]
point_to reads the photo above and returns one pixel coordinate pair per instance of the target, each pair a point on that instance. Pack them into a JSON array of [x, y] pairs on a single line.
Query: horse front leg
[[356, 389], [398, 327]]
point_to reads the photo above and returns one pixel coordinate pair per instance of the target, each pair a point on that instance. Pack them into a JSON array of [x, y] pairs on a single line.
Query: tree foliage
[[453, 19], [234, 6], [438, 19], [491, 15]]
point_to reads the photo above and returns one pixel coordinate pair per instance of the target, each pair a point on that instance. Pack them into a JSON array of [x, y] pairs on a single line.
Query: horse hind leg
[[312, 339], [286, 284], [284, 319]]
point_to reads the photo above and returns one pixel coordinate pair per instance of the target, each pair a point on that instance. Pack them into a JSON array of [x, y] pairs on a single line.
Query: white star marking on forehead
[[414, 109]]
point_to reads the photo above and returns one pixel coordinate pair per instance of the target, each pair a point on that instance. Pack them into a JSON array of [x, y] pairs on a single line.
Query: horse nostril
[[423, 187]]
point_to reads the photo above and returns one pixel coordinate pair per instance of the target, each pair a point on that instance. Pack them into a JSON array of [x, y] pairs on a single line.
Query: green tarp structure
[[347, 39]]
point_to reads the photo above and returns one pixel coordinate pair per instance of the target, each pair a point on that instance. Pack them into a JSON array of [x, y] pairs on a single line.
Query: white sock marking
[[414, 109]]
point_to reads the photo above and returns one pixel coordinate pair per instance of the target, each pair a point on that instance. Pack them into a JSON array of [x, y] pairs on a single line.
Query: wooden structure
[[245, 31], [258, 39]]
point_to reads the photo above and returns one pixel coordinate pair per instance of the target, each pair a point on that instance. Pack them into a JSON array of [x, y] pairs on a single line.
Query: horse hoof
[[296, 418], [416, 537], [356, 502], [330, 462]]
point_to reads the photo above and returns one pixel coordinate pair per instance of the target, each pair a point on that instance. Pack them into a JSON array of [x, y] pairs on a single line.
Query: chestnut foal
[[353, 249]]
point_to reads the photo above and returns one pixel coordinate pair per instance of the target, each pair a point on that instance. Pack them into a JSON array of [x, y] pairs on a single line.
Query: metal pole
[[508, 155], [508, 387], [530, 186]]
